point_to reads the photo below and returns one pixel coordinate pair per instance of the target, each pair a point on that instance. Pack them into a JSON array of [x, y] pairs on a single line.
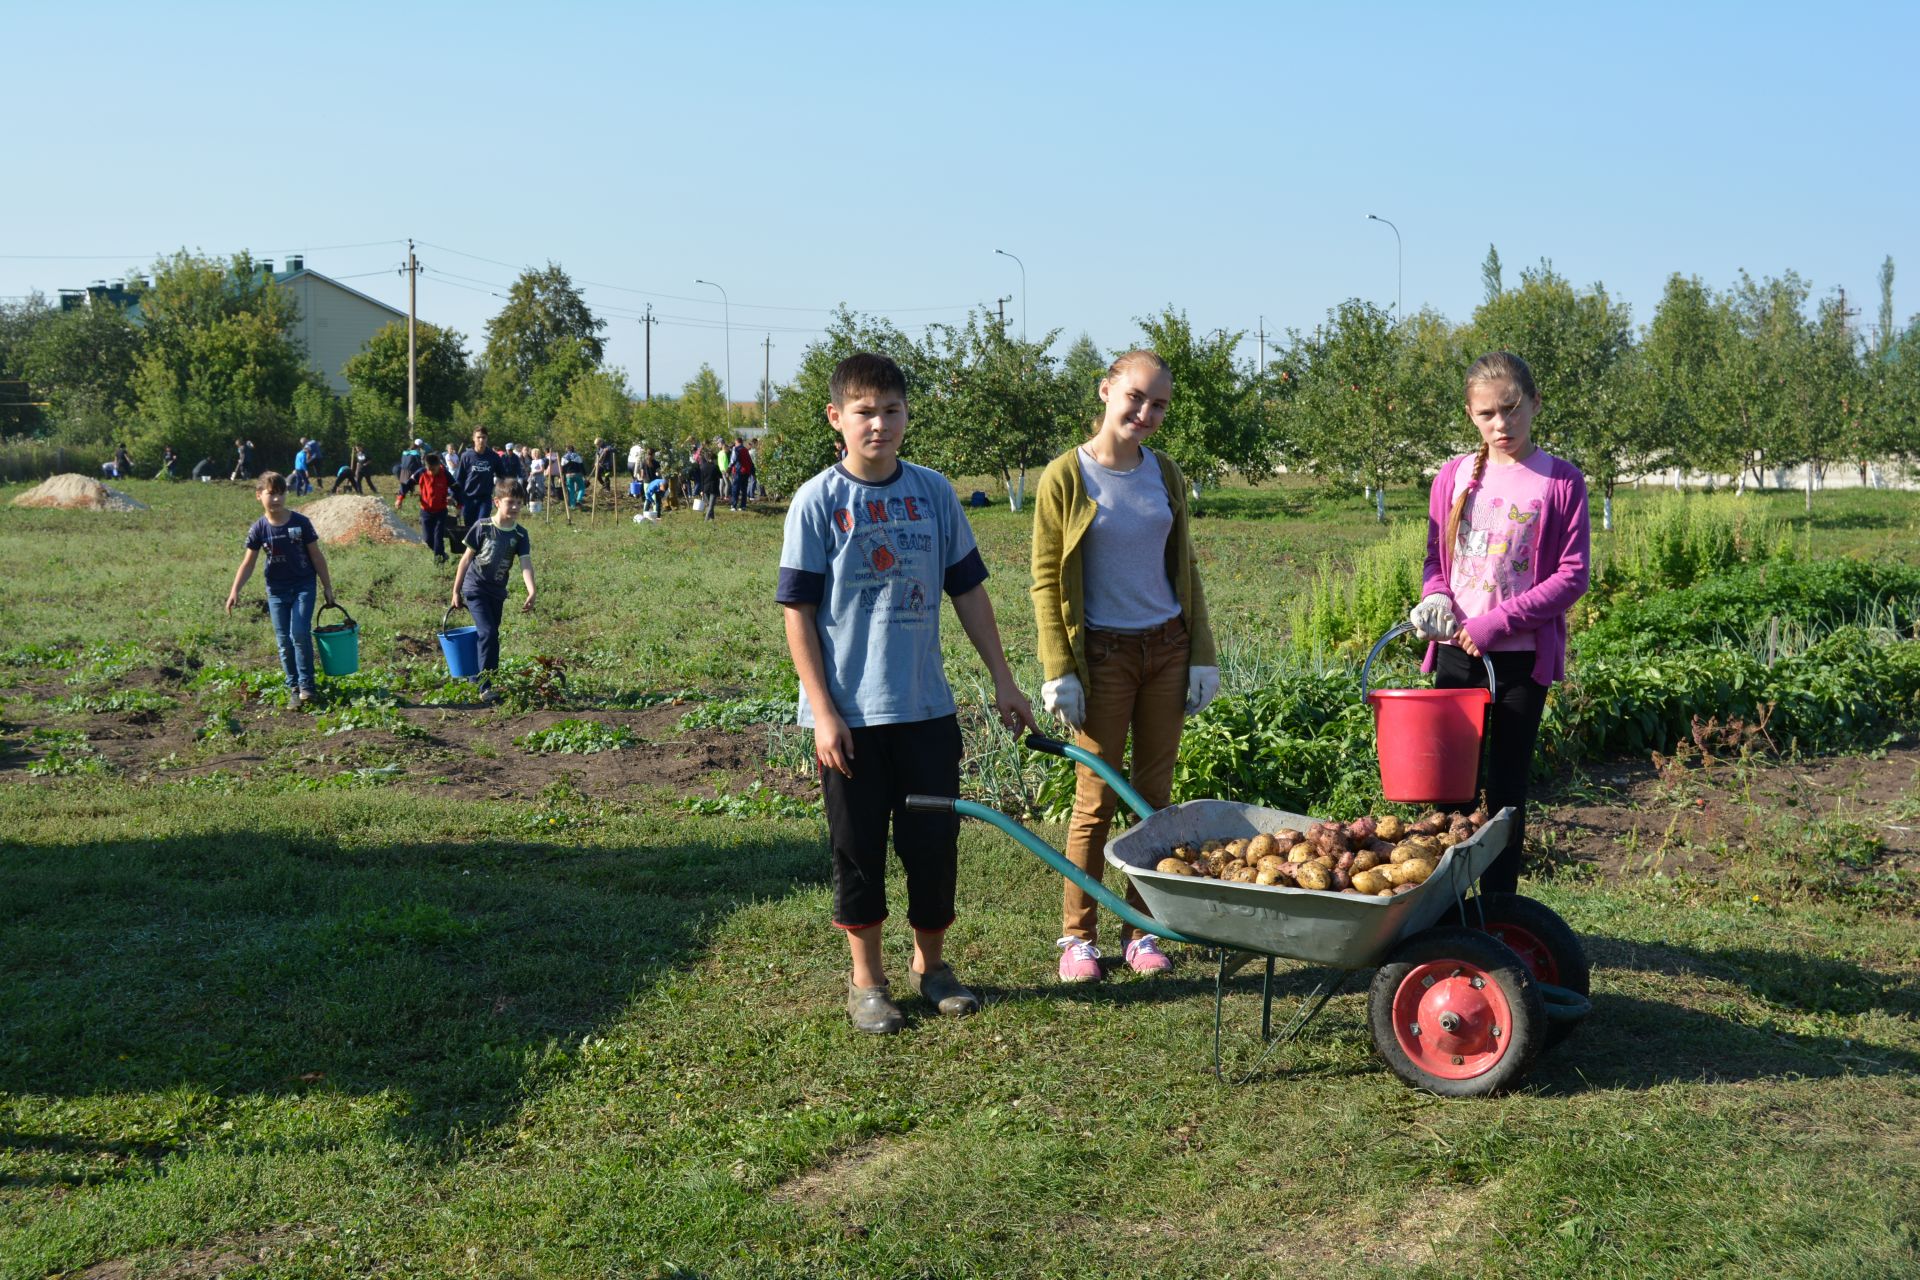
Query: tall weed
[[1663, 541], [1343, 611]]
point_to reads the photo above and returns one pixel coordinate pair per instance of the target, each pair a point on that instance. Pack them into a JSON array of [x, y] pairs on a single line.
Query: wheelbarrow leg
[[1310, 1005]]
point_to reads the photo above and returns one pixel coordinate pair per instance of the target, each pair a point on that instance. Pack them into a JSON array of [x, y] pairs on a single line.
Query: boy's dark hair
[[435, 457], [865, 373], [482, 431], [510, 488], [270, 482]]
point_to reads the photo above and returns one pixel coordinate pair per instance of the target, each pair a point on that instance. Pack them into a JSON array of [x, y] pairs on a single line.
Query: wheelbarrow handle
[[1090, 884], [449, 613], [1394, 633], [1108, 774]]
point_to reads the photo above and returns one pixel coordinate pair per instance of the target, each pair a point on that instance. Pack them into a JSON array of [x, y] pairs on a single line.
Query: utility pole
[[766, 386], [413, 367], [649, 322], [1002, 304]]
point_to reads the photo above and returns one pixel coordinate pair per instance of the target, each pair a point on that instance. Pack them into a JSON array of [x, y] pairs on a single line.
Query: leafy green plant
[[347, 719], [739, 714], [757, 801], [1343, 612], [531, 684], [576, 737], [1675, 540], [134, 701]]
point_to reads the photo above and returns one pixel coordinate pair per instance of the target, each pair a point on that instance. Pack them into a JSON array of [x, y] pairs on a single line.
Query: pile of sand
[[77, 493], [348, 519]]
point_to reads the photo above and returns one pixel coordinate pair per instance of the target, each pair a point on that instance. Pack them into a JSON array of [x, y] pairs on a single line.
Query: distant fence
[[34, 460]]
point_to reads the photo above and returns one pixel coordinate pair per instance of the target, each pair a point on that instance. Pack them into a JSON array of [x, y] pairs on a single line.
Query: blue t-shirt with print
[[875, 558], [289, 567], [493, 551]]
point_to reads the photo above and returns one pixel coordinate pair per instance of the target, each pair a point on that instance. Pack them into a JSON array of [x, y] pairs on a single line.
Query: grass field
[[378, 991]]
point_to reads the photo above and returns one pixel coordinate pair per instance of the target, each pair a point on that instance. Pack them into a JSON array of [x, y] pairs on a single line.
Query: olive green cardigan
[[1062, 513]]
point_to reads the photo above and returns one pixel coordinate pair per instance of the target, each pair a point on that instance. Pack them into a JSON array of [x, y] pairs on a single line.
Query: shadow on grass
[[439, 982], [1634, 1043]]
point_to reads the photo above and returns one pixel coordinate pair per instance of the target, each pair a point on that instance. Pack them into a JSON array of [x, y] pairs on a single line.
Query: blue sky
[[1219, 157]]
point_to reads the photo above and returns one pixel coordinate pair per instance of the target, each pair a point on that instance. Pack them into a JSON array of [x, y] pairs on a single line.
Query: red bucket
[[1429, 743]]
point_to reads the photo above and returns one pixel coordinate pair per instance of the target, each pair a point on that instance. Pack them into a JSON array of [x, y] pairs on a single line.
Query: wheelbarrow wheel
[[1456, 1012], [1545, 944]]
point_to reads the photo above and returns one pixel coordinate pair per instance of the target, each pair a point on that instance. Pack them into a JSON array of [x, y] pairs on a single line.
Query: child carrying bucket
[[480, 579], [294, 562], [1507, 556]]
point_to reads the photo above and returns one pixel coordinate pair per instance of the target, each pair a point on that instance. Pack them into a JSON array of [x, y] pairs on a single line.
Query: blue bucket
[[461, 645], [633, 488]]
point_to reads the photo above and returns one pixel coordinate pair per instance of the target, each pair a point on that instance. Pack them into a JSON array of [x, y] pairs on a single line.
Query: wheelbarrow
[[1453, 1008]]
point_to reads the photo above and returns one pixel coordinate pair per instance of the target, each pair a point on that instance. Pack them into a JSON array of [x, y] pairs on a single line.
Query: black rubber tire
[[1548, 930], [1522, 1038]]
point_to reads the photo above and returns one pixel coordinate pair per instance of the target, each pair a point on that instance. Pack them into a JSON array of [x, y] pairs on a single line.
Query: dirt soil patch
[[1635, 817], [224, 1256], [74, 492], [348, 518]]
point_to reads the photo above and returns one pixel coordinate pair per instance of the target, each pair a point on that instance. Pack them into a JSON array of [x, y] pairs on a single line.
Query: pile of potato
[[1377, 856]]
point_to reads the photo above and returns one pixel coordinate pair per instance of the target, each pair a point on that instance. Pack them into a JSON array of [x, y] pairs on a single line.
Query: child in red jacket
[[435, 484]]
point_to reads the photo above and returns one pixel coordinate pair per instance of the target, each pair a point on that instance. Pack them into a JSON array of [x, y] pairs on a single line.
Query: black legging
[[1517, 707]]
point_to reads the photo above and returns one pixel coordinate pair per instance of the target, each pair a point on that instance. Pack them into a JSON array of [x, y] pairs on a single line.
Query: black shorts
[[891, 762]]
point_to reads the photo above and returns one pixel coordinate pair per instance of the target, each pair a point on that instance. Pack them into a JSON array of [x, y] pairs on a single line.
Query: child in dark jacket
[[480, 579]]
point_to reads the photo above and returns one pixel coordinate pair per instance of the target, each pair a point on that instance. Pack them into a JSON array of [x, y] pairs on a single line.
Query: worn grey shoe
[[940, 987], [872, 1010]]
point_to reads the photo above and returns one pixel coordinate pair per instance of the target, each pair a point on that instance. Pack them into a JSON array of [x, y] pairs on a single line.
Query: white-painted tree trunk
[[1740, 484], [1606, 512], [1017, 491], [1809, 487], [1380, 505]]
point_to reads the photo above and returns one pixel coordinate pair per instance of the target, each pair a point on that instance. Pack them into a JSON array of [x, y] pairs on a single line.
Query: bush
[[1676, 540], [1342, 613]]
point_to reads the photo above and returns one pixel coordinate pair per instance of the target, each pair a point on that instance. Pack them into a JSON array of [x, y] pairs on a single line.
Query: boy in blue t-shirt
[[871, 543], [294, 561], [480, 579]]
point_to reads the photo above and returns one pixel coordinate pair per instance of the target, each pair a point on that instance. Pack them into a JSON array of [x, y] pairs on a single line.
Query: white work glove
[[1203, 685], [1433, 618], [1065, 698]]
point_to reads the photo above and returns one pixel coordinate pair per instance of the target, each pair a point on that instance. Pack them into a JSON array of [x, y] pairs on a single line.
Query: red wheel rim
[[1451, 1019], [1533, 952]]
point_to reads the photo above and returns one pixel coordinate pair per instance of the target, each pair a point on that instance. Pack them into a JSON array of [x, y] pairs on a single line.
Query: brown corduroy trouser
[[1138, 683]]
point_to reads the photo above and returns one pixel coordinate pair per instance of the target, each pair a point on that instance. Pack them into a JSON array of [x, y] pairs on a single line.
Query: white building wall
[[334, 325]]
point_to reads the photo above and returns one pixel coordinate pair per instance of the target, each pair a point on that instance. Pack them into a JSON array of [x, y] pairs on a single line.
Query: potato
[[1416, 871], [1390, 828], [1272, 862], [1386, 893], [1237, 849], [1173, 867], [1365, 860], [1447, 839], [1268, 876], [1261, 846], [1321, 860], [1404, 851], [1212, 846], [1244, 874], [1426, 827], [1300, 852], [1360, 829], [1185, 852], [1341, 880], [1311, 875], [1370, 881], [1289, 837], [1478, 818]]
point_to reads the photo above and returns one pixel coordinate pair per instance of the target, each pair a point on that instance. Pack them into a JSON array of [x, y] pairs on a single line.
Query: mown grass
[[371, 1029]]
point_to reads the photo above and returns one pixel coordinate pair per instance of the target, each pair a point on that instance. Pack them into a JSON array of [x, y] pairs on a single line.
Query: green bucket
[[338, 643]]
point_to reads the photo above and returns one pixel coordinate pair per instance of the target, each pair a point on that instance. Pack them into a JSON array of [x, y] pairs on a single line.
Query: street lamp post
[[1397, 267], [1023, 290], [726, 311]]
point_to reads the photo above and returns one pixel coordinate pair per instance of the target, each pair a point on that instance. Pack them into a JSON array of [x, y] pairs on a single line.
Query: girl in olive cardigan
[[1122, 649]]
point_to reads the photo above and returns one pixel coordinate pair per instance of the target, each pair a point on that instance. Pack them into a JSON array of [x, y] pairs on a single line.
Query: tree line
[[1758, 376]]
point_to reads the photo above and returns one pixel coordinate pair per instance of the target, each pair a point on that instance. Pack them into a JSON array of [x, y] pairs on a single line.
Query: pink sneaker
[[1144, 955], [1079, 960]]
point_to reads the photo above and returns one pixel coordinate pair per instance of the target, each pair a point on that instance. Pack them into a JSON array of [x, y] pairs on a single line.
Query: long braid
[[1460, 501]]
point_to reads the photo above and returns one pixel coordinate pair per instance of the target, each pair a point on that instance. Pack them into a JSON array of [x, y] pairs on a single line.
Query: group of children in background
[[1126, 650], [1125, 647]]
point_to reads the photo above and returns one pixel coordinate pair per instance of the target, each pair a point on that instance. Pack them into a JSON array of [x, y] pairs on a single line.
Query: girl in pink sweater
[[1507, 553]]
